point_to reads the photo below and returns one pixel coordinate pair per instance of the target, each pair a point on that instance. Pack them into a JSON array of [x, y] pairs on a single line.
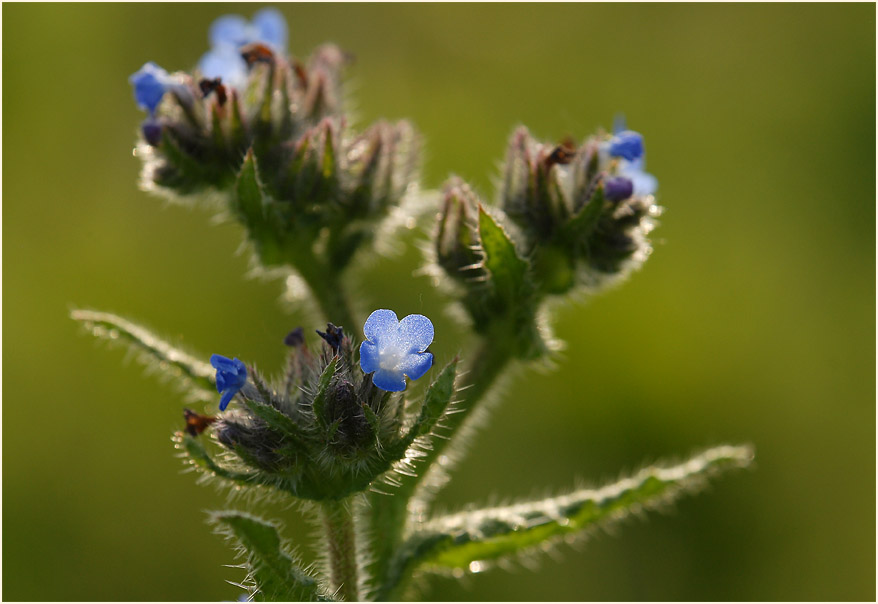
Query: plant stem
[[338, 522], [389, 515], [326, 288]]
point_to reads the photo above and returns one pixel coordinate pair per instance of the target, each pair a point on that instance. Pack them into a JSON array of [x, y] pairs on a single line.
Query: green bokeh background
[[752, 322]]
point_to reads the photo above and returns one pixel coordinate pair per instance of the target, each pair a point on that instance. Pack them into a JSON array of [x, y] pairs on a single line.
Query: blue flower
[[395, 349], [231, 375], [229, 33], [627, 144], [150, 83]]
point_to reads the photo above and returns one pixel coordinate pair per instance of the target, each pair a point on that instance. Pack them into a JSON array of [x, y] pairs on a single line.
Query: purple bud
[[333, 336], [152, 131], [618, 188], [295, 338]]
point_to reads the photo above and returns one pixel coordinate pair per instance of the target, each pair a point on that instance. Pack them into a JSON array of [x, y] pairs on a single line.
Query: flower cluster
[[329, 427], [267, 130]]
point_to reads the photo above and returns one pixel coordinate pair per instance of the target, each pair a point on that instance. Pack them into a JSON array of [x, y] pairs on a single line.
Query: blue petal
[[644, 183], [221, 383], [150, 84], [231, 30], [627, 144], [272, 27], [369, 359], [391, 381], [226, 63], [415, 333], [240, 370], [619, 124], [228, 396], [416, 365], [222, 363], [380, 323]]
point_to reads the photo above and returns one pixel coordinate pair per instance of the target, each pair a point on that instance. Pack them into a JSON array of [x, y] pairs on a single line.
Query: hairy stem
[[338, 523], [328, 293], [390, 515]]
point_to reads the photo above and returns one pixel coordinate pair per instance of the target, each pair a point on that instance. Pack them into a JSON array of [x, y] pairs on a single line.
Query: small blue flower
[[150, 83], [229, 33], [627, 144], [395, 349], [231, 375]]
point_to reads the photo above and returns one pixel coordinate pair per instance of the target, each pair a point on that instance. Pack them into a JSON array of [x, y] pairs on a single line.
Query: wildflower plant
[[262, 136]]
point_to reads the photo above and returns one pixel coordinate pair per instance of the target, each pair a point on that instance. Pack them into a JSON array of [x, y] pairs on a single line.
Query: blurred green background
[[752, 322]]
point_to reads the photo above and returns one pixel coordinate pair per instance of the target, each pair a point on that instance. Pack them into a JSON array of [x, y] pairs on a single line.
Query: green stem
[[338, 523], [326, 287], [389, 515]]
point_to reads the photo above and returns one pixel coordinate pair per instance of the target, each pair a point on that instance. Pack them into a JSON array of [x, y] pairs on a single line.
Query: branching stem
[[390, 514]]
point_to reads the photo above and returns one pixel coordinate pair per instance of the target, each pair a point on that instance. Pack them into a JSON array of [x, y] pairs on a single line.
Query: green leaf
[[461, 540], [319, 404], [508, 271], [170, 360], [276, 573]]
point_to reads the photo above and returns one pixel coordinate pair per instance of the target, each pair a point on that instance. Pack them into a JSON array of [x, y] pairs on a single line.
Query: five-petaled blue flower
[[394, 349], [150, 83], [627, 144], [231, 375], [229, 33]]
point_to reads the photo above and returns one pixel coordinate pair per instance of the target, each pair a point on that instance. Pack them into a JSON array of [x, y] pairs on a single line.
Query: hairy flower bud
[[457, 240]]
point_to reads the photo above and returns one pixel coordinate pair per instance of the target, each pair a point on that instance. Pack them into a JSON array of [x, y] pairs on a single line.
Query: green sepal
[[578, 229], [319, 404], [280, 422], [372, 418], [250, 200], [276, 572], [195, 451], [457, 541], [436, 400], [507, 270], [200, 376]]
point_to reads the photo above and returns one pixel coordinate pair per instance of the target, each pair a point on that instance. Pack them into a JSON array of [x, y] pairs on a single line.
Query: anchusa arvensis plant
[[263, 135]]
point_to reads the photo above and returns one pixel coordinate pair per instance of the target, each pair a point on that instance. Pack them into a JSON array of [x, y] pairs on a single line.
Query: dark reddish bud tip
[[197, 423]]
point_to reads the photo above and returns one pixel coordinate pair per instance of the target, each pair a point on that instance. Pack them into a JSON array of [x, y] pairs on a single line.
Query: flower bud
[[456, 241]]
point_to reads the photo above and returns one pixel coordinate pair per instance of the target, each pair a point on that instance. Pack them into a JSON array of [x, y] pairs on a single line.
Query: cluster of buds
[[568, 217], [320, 185], [332, 426]]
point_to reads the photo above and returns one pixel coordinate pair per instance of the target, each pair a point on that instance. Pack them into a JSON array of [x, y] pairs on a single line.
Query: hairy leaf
[[460, 540], [170, 360], [275, 572]]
